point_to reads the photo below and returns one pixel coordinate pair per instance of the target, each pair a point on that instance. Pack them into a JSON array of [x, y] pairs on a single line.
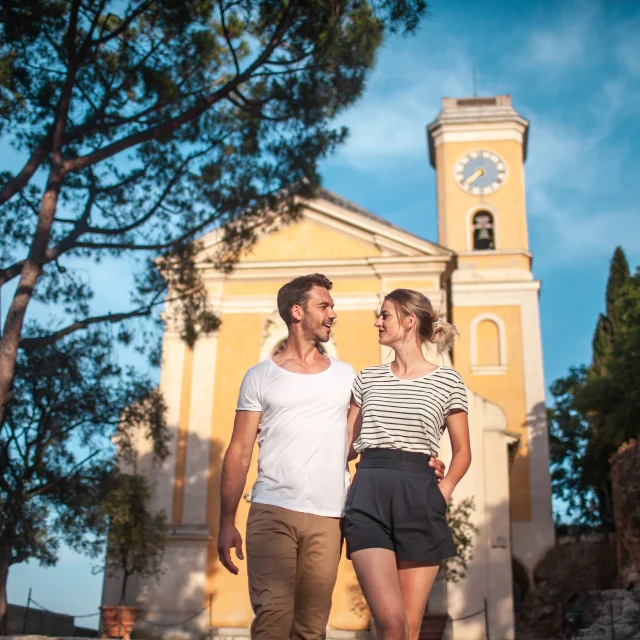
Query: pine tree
[[610, 322], [596, 408], [619, 276]]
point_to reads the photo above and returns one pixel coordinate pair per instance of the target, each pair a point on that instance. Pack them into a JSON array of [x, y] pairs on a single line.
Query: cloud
[[388, 124], [628, 46], [572, 234], [568, 42]]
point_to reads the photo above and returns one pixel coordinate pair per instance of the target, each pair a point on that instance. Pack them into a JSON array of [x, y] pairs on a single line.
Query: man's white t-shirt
[[302, 464]]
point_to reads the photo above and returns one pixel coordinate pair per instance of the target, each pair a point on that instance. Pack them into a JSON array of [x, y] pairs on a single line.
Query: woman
[[395, 520]]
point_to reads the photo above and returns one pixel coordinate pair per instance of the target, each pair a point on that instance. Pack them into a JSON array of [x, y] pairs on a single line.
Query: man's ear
[[297, 312]]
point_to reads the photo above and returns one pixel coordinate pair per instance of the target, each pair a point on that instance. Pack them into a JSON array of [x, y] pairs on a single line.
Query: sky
[[573, 70]]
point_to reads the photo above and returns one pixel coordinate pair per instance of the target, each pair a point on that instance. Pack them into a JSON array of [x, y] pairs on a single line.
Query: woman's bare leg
[[377, 573], [416, 580]]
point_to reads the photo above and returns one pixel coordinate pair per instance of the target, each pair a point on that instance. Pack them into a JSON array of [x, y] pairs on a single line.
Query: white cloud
[[575, 234], [388, 124], [568, 42]]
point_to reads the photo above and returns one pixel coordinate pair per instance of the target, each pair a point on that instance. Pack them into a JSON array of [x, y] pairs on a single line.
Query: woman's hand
[[446, 488]]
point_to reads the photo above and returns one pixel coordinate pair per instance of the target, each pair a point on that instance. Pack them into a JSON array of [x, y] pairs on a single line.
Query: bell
[[484, 234]]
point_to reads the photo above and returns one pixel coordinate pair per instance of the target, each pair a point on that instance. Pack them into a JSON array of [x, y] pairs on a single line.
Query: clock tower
[[478, 147]]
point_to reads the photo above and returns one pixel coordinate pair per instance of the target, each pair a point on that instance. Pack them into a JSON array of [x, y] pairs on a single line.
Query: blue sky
[[573, 70]]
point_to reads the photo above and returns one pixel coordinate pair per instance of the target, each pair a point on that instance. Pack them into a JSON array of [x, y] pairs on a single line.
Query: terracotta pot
[[433, 626], [118, 621]]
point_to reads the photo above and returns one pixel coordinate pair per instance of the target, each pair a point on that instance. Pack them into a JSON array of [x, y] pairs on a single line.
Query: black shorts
[[394, 503]]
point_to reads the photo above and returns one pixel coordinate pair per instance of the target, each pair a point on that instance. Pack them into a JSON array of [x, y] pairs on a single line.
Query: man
[[295, 404]]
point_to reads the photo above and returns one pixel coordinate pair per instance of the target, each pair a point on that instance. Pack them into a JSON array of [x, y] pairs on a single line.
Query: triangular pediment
[[332, 228]]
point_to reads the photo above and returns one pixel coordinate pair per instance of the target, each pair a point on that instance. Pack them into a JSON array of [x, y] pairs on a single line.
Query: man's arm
[[234, 476]]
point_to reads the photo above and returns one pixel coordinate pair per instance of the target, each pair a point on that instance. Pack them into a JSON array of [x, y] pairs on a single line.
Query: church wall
[[253, 287], [309, 239], [492, 260], [356, 339], [239, 341], [506, 389], [420, 284], [181, 440]]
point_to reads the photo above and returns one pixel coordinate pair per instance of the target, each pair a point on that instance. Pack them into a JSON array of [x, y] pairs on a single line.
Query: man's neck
[[301, 356]]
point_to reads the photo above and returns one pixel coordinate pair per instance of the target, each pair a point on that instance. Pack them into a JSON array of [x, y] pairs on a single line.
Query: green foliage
[[596, 407], [70, 401], [463, 532], [136, 538], [155, 122]]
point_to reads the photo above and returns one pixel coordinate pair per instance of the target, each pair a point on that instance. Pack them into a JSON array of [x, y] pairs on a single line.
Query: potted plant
[[135, 545]]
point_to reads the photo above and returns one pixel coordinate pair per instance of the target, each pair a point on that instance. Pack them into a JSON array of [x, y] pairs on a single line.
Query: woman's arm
[[354, 424], [458, 427]]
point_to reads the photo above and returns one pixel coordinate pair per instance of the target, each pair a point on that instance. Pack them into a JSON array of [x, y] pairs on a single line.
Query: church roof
[[334, 198]]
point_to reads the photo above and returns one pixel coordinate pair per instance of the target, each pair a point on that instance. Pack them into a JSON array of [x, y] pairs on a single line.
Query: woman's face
[[391, 328]]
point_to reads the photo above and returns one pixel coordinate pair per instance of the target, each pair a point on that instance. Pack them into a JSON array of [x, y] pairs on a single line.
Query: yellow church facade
[[478, 275]]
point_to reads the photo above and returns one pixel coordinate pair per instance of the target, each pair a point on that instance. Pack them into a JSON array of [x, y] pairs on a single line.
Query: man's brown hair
[[297, 292]]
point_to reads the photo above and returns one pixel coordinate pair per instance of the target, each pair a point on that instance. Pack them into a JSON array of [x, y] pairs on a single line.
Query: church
[[478, 275]]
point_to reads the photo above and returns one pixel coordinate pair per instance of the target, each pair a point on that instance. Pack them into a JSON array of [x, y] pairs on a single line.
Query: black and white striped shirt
[[406, 414]]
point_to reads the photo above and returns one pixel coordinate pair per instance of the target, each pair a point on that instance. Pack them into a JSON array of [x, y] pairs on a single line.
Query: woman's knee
[[393, 627]]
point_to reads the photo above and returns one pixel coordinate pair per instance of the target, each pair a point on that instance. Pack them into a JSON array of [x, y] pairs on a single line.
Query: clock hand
[[473, 176]]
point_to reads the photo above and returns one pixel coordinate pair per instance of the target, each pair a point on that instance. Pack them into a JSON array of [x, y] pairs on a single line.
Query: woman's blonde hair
[[430, 327]]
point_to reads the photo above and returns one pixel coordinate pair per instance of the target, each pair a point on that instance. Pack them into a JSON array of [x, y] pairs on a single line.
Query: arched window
[[488, 344], [488, 334], [483, 231]]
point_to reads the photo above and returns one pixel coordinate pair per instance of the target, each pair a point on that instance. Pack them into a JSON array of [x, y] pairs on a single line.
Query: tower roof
[[460, 113]]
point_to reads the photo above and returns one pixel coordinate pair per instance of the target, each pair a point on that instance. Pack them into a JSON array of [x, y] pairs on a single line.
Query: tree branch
[[37, 157], [50, 485], [67, 243], [123, 25], [149, 214], [171, 125], [228, 39], [52, 338], [132, 246]]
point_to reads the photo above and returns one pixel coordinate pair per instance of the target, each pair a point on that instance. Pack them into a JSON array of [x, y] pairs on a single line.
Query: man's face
[[318, 315]]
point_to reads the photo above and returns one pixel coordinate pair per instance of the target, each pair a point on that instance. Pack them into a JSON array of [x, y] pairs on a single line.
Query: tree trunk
[[123, 593], [4, 574], [26, 286]]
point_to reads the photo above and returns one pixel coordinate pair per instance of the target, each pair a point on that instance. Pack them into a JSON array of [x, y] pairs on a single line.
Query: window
[[483, 231], [488, 344]]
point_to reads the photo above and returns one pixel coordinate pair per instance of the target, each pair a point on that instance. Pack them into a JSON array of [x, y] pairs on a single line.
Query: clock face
[[480, 172]]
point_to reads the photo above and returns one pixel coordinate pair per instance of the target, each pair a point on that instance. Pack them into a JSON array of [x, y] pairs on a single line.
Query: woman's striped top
[[406, 414]]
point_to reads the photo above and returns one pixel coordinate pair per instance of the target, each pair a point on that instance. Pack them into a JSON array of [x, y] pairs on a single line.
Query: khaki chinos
[[292, 560]]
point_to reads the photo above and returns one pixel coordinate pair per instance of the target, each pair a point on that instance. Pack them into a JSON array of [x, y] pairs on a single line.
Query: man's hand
[[439, 467], [228, 538]]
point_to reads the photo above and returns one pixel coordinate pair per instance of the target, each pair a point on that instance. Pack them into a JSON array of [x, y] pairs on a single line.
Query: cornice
[[476, 119], [379, 266]]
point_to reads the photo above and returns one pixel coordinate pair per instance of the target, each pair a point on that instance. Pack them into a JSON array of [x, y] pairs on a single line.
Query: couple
[[310, 413]]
